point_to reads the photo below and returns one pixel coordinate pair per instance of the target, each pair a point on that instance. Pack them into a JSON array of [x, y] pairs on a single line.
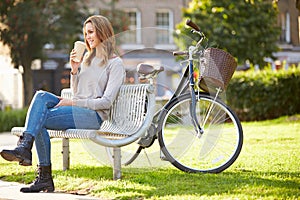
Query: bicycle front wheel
[[214, 150]]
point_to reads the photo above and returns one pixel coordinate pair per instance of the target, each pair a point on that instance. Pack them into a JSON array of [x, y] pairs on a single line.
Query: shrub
[[11, 118], [267, 94]]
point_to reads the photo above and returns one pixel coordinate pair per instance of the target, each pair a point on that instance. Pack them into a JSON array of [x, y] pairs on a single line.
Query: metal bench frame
[[130, 116]]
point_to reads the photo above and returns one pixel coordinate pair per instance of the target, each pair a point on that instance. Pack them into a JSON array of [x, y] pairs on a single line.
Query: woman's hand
[[64, 102], [74, 65]]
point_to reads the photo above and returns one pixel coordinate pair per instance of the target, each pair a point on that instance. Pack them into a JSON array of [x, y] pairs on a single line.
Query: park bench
[[130, 116]]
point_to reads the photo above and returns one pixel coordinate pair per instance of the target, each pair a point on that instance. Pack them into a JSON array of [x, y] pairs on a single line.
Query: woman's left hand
[[64, 102]]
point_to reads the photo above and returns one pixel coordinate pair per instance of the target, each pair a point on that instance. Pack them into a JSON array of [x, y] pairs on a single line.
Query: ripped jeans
[[42, 115]]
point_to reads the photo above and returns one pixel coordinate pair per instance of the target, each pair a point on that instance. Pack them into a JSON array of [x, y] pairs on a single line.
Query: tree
[[118, 18], [247, 29], [27, 25]]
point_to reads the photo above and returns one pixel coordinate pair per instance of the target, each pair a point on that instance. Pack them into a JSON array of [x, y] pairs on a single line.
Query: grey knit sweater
[[96, 87]]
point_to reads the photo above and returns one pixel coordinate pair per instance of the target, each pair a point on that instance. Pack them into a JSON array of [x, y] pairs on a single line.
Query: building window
[[285, 25], [164, 24], [133, 35], [299, 29]]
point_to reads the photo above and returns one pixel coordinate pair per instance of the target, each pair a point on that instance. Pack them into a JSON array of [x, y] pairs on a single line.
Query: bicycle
[[196, 130]]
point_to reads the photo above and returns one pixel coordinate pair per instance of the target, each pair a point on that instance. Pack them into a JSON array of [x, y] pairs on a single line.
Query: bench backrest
[[128, 110]]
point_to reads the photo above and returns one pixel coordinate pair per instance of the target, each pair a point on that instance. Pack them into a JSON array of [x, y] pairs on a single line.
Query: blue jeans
[[42, 115]]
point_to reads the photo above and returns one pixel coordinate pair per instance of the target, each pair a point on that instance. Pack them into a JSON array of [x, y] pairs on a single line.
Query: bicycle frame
[[186, 85], [182, 103]]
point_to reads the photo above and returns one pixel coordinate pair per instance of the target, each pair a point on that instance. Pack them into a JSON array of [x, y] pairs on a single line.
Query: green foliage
[[30, 24], [118, 18], [265, 94], [246, 29], [27, 25], [11, 118]]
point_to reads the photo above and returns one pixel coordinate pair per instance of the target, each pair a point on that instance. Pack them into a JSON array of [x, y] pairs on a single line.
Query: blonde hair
[[105, 33]]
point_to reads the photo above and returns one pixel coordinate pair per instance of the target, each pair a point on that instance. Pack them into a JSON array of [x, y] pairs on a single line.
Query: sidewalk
[[11, 191]]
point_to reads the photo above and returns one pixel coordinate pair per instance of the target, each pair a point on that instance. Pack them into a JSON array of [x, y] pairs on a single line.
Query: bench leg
[[117, 163], [66, 153]]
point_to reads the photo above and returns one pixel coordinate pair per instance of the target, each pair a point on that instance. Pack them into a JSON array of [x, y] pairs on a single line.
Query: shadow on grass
[[162, 182]]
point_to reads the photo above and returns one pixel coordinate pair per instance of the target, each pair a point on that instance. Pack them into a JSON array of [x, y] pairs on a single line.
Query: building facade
[[11, 87], [150, 40], [289, 41]]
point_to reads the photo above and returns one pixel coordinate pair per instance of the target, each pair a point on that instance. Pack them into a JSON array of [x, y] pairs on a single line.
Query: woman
[[95, 82]]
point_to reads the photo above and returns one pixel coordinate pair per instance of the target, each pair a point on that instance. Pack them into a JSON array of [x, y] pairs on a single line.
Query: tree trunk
[[27, 82]]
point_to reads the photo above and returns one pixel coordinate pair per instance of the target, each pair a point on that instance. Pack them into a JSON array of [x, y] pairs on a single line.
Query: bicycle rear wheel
[[213, 151]]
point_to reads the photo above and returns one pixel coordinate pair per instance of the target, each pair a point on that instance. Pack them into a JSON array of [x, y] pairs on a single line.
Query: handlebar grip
[[192, 24], [180, 53]]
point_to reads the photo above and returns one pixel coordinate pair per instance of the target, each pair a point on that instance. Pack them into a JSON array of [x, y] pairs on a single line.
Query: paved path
[[11, 191], [7, 141]]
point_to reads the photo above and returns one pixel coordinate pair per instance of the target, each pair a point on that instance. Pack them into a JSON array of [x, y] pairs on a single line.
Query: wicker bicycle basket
[[216, 69]]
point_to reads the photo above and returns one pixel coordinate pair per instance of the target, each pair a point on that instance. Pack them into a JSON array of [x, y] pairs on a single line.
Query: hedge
[[11, 118], [267, 94]]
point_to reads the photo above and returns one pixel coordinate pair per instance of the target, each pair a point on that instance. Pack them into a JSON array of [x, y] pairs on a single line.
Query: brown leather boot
[[22, 153], [43, 181]]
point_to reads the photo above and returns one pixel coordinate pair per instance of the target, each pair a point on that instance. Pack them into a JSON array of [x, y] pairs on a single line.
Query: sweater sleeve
[[74, 79], [115, 80], [74, 83]]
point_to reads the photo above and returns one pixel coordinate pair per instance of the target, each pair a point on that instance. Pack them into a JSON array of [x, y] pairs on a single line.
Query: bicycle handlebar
[[180, 53], [193, 25], [197, 30]]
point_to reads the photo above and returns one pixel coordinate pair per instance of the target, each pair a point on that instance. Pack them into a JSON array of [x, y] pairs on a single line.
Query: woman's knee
[[48, 98], [41, 94]]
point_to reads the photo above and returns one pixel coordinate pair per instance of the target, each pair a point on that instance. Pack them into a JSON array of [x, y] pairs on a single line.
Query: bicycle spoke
[[215, 150]]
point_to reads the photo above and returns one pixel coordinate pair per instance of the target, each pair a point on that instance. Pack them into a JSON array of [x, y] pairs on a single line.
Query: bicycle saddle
[[147, 71]]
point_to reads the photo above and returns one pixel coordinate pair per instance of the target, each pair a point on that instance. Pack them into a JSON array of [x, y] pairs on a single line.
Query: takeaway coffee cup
[[79, 47]]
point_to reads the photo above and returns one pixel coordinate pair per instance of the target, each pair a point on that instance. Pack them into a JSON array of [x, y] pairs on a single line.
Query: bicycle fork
[[194, 119]]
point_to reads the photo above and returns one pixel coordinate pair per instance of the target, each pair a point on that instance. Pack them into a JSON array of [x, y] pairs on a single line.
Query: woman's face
[[91, 36]]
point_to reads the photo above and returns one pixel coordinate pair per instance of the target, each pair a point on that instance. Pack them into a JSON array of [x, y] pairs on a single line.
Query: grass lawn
[[267, 168]]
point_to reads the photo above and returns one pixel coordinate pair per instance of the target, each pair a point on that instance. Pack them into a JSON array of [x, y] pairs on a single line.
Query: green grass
[[267, 168]]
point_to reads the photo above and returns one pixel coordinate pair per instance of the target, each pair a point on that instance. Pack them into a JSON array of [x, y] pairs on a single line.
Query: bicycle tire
[[212, 152]]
